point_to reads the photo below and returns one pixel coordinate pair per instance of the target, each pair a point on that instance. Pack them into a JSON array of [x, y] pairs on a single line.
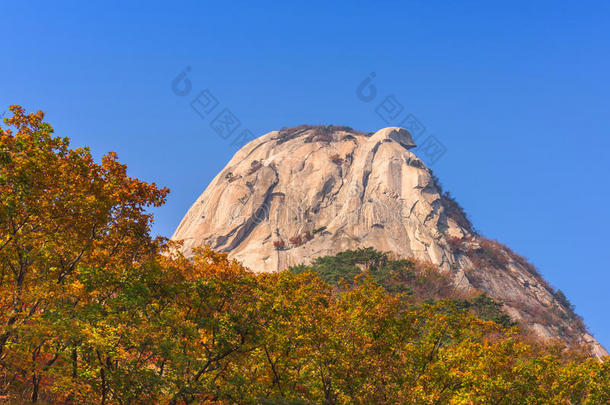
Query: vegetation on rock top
[[315, 133]]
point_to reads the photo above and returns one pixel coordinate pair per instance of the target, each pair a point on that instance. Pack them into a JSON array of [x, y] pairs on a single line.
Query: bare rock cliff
[[296, 194]]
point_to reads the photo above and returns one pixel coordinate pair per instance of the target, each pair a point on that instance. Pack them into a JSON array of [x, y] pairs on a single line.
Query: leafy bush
[[279, 245], [563, 300], [296, 240], [569, 307], [489, 254], [301, 239], [420, 281], [317, 133], [456, 244], [417, 279], [493, 253], [523, 262], [486, 308], [452, 208], [344, 265]]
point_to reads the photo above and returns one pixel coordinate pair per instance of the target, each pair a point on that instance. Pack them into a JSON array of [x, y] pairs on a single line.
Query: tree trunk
[[74, 362], [103, 376], [35, 387]]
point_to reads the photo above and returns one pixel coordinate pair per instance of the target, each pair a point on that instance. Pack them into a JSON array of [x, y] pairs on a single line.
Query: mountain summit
[[296, 194]]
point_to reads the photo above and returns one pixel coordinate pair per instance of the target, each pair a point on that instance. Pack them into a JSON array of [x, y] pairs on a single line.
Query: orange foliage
[[93, 310]]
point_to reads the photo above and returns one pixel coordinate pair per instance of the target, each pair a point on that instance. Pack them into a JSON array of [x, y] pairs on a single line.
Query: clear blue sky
[[517, 93]]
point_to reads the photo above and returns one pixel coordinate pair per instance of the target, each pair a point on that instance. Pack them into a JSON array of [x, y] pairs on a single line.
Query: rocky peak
[[400, 135], [299, 193]]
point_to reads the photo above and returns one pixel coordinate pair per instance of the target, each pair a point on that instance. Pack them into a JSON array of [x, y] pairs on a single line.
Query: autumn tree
[[61, 215], [94, 310]]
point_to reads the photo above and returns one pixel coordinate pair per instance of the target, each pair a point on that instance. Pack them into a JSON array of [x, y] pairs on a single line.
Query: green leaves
[[93, 310]]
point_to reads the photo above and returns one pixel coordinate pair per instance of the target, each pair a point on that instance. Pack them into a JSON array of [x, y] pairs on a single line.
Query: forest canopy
[[93, 309]]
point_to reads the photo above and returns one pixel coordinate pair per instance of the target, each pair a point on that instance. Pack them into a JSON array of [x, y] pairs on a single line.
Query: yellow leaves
[[75, 288], [88, 304]]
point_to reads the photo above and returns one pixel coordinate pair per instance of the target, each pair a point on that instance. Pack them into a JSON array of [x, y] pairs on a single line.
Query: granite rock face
[[293, 195]]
